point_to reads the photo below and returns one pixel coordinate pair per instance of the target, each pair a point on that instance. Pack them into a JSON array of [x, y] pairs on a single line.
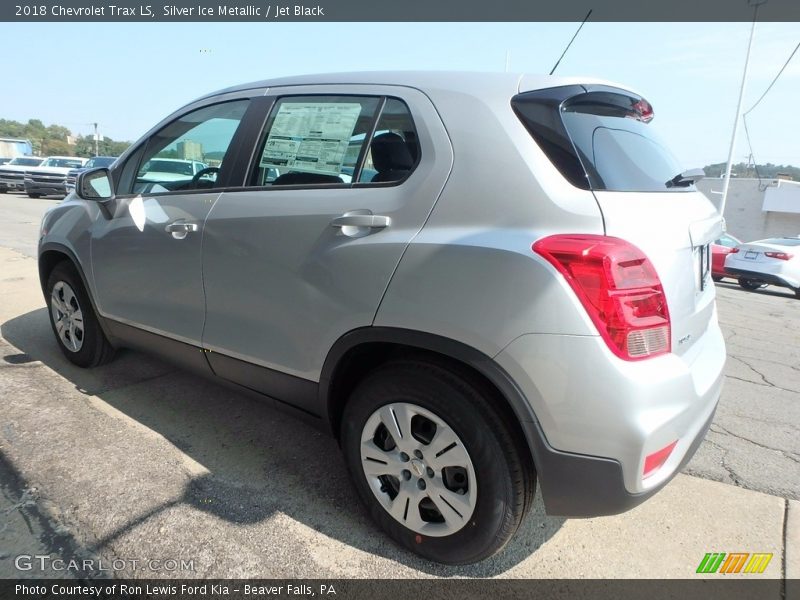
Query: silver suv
[[475, 282]]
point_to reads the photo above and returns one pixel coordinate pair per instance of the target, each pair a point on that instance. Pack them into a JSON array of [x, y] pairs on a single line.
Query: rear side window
[[335, 140], [600, 140], [394, 148], [314, 140]]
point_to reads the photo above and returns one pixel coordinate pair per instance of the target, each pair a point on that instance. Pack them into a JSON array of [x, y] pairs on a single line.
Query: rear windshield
[[783, 241], [608, 142]]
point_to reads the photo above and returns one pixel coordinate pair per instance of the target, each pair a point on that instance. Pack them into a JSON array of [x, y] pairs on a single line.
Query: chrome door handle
[[180, 229], [371, 221]]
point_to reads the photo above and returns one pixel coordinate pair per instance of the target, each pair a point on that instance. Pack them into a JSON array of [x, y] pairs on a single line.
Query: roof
[[462, 81]]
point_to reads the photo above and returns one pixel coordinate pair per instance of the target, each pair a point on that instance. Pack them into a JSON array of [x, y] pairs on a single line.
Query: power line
[[788, 60], [744, 116]]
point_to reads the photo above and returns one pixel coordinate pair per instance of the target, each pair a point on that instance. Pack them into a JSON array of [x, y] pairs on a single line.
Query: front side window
[[189, 153]]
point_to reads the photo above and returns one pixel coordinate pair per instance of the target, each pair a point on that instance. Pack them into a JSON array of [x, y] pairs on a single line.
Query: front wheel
[[435, 463], [73, 320]]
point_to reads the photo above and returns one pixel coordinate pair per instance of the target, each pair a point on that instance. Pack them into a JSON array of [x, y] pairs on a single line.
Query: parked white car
[[775, 261]]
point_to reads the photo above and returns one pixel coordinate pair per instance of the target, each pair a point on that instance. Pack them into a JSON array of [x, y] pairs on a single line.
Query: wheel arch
[[360, 351], [53, 253]]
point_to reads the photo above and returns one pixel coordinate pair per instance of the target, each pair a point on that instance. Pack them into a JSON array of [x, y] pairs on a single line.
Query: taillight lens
[[734, 251], [779, 255], [619, 288]]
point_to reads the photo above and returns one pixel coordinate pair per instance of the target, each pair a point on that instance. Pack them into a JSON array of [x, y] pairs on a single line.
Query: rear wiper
[[686, 178]]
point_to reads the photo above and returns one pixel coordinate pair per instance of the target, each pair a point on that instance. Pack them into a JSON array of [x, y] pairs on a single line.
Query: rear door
[[636, 183], [338, 181]]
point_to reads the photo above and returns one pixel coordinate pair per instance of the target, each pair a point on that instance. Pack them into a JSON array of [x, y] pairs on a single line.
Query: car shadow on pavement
[[771, 290], [260, 461]]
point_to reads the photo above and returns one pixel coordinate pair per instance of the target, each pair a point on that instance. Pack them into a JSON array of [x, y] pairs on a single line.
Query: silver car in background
[[473, 281]]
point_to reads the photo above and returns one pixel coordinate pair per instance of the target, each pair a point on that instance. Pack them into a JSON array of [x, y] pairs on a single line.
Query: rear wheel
[[435, 464], [73, 320], [751, 284], [716, 278], [34, 195]]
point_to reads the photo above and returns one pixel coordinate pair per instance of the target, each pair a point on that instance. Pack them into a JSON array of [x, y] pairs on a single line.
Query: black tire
[[3, 191], [95, 349], [797, 293], [750, 284], [505, 485], [34, 195], [716, 278]]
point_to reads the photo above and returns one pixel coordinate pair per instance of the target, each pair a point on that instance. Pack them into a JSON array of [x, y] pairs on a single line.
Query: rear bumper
[[596, 417], [771, 278], [575, 485]]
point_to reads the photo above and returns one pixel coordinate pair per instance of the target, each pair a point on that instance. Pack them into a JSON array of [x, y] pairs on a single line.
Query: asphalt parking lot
[[139, 460]]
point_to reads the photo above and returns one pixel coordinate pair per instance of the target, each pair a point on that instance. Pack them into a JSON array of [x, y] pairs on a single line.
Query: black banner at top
[[396, 10]]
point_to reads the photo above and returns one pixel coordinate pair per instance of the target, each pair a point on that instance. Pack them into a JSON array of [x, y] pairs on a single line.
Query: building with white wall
[[757, 209]]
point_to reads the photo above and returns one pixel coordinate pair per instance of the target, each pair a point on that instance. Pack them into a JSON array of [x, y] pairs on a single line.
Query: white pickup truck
[[49, 178], [13, 172]]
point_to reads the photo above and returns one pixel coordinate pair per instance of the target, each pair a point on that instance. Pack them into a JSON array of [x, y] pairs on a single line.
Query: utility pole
[[726, 185], [96, 141]]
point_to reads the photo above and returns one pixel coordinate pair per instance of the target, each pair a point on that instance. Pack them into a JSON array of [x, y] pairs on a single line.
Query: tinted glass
[[313, 140], [394, 148], [26, 162], [783, 241], [727, 241], [599, 140], [188, 145], [618, 151], [66, 163]]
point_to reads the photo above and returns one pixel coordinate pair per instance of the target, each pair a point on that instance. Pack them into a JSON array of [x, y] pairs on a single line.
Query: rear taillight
[[779, 255], [734, 251], [653, 462], [619, 288]]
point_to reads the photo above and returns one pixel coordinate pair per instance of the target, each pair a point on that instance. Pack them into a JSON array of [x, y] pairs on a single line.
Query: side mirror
[[95, 185]]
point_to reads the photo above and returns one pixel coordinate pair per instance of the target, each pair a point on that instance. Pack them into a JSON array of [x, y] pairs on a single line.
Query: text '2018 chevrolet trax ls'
[[473, 281]]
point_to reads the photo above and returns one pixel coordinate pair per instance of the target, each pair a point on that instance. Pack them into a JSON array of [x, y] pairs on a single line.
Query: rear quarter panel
[[470, 274]]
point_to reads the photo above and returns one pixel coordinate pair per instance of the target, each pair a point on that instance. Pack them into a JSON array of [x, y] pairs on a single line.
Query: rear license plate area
[[702, 266], [750, 255]]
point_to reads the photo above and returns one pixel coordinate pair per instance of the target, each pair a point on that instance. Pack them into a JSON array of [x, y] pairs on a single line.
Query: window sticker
[[311, 137]]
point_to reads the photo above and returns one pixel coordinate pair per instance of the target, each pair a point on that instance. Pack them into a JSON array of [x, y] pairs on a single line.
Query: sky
[[128, 76]]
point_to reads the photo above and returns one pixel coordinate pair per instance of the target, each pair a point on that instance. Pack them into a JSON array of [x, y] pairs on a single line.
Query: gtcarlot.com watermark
[[47, 563]]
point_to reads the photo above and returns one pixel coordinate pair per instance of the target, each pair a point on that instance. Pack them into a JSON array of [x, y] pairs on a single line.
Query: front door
[[146, 250]]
